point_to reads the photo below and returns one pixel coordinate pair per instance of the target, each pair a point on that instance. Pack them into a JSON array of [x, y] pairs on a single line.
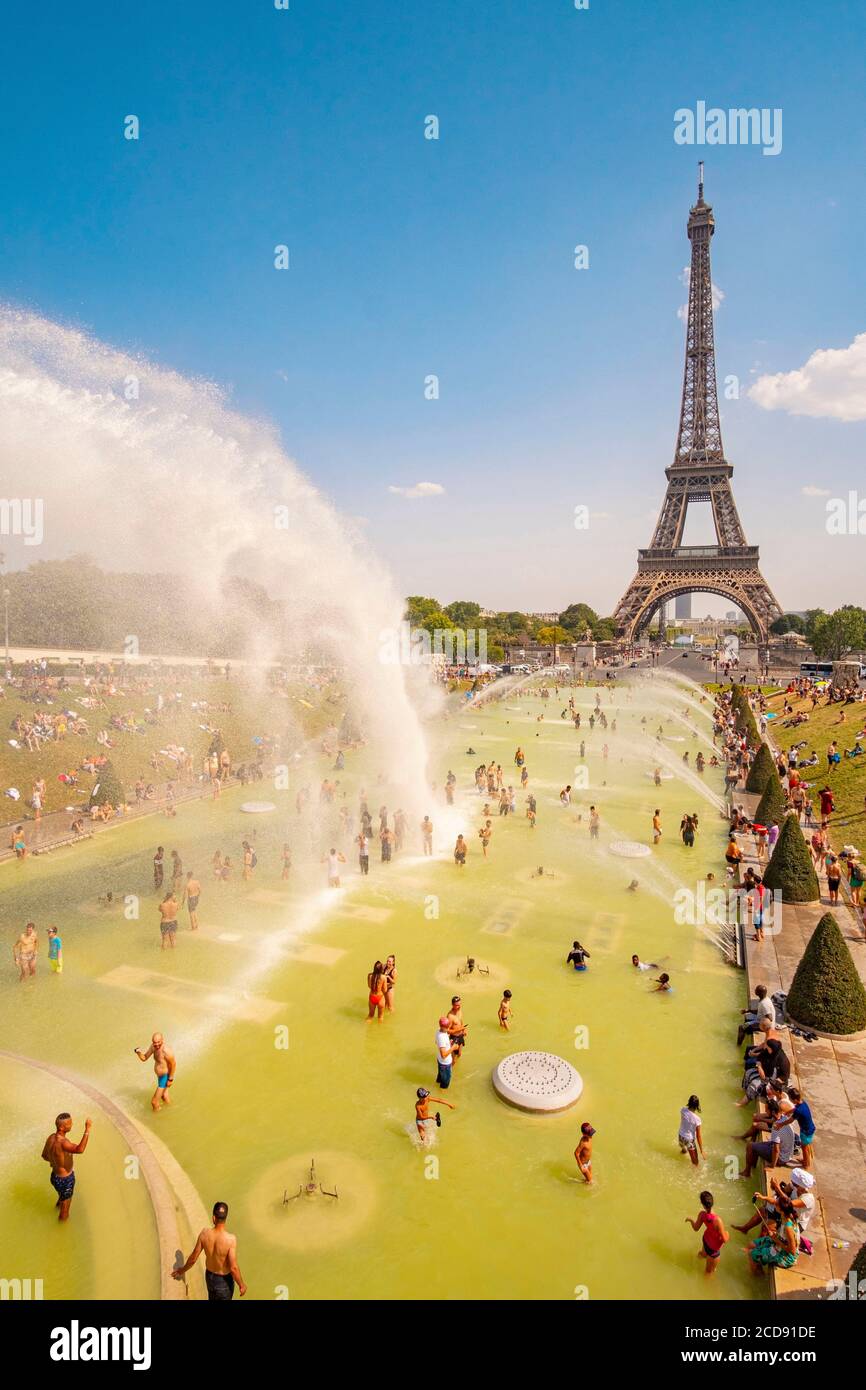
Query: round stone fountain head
[[537, 1081], [629, 849]]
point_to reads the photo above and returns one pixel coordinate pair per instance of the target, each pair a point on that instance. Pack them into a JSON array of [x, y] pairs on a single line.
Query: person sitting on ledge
[[779, 1147], [752, 1017], [781, 1245]]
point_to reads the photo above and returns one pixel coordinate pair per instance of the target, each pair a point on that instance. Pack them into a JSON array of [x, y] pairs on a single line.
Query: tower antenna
[[700, 181]]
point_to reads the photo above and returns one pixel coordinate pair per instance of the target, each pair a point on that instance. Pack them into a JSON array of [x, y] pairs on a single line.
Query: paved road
[[691, 664]]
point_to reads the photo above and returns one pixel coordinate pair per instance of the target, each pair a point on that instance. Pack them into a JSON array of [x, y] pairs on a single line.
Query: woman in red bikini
[[376, 984]]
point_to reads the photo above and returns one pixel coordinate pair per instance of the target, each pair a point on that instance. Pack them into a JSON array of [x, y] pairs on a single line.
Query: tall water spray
[[155, 472]]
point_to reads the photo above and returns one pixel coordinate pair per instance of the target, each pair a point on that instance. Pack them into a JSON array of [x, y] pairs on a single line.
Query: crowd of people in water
[[781, 1129]]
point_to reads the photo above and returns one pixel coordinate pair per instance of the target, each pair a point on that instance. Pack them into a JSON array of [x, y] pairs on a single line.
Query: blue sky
[[455, 257]]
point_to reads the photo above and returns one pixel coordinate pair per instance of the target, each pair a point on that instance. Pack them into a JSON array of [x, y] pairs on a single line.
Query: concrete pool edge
[[178, 1211]]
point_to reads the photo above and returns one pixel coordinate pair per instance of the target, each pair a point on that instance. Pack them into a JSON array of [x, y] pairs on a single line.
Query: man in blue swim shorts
[[164, 1064], [59, 1151]]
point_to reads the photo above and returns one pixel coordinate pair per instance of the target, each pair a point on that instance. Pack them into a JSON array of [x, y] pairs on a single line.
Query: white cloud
[[683, 310], [810, 491], [831, 385], [419, 490]]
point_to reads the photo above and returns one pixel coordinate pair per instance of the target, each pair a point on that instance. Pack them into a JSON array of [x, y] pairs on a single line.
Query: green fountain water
[[493, 1209]]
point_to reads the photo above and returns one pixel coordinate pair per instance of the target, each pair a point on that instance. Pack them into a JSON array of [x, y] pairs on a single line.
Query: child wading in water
[[505, 1014], [583, 1152], [423, 1118], [715, 1236], [689, 1136]]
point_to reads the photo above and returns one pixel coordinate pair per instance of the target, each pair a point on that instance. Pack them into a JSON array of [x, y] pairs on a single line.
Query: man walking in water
[[59, 1152], [24, 951], [427, 835], [221, 1259], [164, 1064], [583, 1152], [191, 895]]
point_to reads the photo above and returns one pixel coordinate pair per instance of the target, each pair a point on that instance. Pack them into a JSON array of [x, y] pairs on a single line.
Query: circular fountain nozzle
[[537, 1081]]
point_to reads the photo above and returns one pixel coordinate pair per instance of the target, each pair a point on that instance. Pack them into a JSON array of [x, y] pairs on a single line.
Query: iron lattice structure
[[699, 473]]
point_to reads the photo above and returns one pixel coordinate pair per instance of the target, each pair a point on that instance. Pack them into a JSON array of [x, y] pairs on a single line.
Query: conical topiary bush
[[771, 806], [737, 698], [108, 789], [826, 992], [747, 726], [790, 869], [762, 769]]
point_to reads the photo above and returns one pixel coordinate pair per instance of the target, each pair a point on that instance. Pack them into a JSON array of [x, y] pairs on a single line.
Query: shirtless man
[[59, 1152], [484, 835], [24, 951], [422, 1112], [221, 1259], [456, 1027], [191, 895], [164, 1064], [427, 835], [168, 920], [583, 1152]]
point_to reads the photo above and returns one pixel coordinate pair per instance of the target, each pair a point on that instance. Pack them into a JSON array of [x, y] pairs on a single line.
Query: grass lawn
[[848, 778], [291, 714]]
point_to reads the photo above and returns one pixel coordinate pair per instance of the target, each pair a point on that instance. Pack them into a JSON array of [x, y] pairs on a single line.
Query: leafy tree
[[513, 624], [463, 613], [577, 617], [552, 633], [604, 630], [426, 613], [790, 868], [836, 634], [826, 991], [73, 603], [789, 622], [812, 616]]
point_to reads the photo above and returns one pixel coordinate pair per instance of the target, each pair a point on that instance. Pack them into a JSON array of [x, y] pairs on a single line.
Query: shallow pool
[[494, 1209]]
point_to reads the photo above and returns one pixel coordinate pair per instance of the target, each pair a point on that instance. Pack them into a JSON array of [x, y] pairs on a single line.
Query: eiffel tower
[[699, 473]]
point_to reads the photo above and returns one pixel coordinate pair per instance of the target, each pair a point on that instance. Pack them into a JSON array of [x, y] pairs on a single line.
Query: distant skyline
[[454, 258]]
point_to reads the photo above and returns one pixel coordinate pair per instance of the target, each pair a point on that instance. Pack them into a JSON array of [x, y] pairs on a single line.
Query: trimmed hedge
[[826, 992], [790, 868], [747, 725], [771, 806], [108, 790], [762, 769], [743, 716]]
